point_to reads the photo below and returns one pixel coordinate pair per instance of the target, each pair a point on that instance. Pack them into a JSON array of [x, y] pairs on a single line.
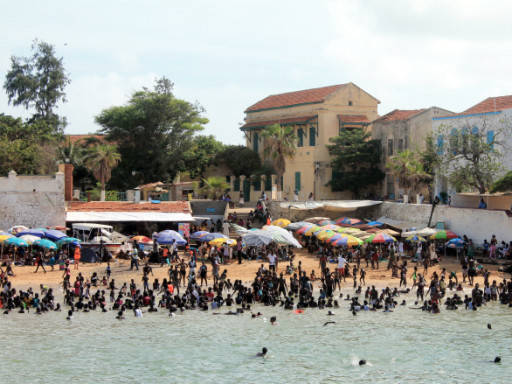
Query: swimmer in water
[[497, 359], [70, 315], [263, 353], [273, 320], [362, 362], [330, 313], [489, 326]]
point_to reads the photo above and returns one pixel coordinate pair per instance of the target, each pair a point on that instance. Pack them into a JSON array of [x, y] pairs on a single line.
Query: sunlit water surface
[[406, 346]]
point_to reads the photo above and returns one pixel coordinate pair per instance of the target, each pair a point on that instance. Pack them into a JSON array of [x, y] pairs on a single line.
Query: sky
[[227, 55]]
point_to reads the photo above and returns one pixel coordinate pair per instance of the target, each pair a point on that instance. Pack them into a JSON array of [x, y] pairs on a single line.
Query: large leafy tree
[[279, 144], [100, 160], [27, 147], [38, 82], [201, 154], [240, 160], [407, 166], [356, 160], [152, 132], [470, 151]]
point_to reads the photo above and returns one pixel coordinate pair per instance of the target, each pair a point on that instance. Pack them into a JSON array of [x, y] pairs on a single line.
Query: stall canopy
[[339, 206], [111, 217]]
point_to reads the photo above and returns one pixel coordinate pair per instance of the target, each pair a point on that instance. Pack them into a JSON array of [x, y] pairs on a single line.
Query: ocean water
[[406, 346]]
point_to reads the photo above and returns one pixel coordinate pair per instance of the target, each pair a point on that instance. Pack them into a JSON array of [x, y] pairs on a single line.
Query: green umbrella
[[444, 235]]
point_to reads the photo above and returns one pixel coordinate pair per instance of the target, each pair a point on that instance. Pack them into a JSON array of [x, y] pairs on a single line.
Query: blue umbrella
[[375, 223], [54, 235], [456, 243], [31, 232], [44, 243], [67, 240], [16, 242], [213, 236], [168, 237], [197, 235]]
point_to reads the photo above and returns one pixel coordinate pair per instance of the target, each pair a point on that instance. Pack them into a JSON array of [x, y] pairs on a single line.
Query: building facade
[[315, 115], [402, 129], [491, 119]]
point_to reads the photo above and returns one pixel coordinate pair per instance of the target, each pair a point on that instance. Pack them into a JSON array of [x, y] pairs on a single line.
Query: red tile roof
[[75, 138], [400, 114], [308, 96], [491, 104], [288, 120], [353, 119], [128, 206]]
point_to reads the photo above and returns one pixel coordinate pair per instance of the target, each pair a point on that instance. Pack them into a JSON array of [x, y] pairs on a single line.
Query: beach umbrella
[[303, 229], [340, 220], [29, 239], [337, 236], [455, 243], [16, 241], [3, 233], [169, 237], [350, 231], [45, 243], [349, 221], [258, 237], [5, 237], [444, 235], [332, 227], [316, 220], [282, 237], [380, 238], [281, 223], [325, 234], [415, 239], [54, 235], [17, 228], [221, 241], [297, 225], [197, 235], [326, 222], [212, 236], [32, 232], [141, 239], [349, 241], [311, 231], [67, 240], [375, 223]]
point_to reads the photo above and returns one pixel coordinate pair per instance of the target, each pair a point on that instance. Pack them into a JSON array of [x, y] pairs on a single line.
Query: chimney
[[68, 182]]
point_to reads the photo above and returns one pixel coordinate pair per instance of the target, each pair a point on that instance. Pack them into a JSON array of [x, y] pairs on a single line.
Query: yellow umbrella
[[311, 231], [281, 223], [348, 230], [221, 241], [325, 234], [4, 237], [348, 241]]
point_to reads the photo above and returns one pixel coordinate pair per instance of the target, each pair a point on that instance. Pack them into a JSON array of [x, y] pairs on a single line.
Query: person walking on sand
[[77, 256], [39, 261]]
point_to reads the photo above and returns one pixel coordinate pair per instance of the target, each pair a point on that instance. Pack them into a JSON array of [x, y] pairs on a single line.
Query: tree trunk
[[102, 194]]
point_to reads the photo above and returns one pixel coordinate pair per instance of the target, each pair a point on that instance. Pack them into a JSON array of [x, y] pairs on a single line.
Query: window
[[400, 145], [255, 143], [257, 184], [236, 185], [490, 139], [454, 141], [268, 183], [440, 144], [300, 134], [390, 147], [349, 103], [297, 181], [312, 136]]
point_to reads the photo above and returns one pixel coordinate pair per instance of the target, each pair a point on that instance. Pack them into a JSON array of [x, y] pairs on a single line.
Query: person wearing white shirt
[[341, 265], [272, 261]]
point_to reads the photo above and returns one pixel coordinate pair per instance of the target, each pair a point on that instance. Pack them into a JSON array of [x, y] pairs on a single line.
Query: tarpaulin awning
[[336, 205], [110, 217]]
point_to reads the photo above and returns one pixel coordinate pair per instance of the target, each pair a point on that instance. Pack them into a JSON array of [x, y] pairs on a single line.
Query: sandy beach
[[25, 276]]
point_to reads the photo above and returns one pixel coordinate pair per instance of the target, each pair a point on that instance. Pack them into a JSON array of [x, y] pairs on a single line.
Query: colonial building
[[490, 118], [315, 115], [403, 129]]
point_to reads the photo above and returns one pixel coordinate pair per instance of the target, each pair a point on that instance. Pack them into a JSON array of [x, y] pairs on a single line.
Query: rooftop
[[128, 206], [288, 120], [491, 104], [308, 96], [400, 114]]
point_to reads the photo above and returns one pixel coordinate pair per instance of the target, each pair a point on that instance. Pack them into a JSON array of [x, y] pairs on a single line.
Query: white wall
[[34, 201]]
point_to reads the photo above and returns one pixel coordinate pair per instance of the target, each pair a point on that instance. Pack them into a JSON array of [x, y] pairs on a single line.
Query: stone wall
[[33, 201]]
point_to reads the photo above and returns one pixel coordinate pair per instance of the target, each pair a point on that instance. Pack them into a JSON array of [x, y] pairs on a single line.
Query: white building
[[491, 117]]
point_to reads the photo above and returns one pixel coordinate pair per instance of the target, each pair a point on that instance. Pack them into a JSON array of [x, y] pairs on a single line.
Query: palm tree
[[100, 161], [279, 144], [409, 170], [214, 186]]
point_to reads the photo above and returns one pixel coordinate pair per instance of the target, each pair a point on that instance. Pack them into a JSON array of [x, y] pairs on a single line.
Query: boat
[[95, 236]]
